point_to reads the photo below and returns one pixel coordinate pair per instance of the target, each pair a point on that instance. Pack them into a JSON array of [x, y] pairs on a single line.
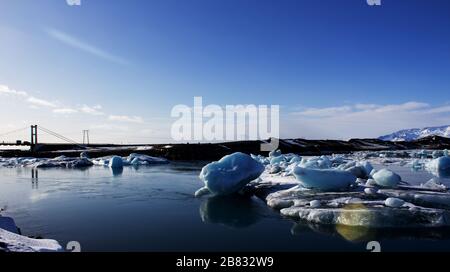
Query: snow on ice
[[359, 189]]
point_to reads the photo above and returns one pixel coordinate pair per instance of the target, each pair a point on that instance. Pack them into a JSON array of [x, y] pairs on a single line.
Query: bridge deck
[[14, 144]]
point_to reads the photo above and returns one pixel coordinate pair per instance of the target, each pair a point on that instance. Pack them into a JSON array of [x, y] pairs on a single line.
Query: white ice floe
[[386, 178], [231, 173], [433, 184], [324, 179], [140, 159], [370, 191], [13, 242], [394, 202]]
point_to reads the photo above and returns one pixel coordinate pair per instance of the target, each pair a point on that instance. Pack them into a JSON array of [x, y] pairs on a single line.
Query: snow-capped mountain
[[416, 133]]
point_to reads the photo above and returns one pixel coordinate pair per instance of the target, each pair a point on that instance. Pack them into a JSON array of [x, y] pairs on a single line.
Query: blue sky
[[338, 69]]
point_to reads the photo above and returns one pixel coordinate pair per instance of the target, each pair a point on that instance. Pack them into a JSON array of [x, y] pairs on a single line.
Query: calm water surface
[[153, 209]]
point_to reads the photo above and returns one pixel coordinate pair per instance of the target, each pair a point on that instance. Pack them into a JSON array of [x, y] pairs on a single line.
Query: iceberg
[[115, 162], [439, 167], [231, 173], [386, 178], [324, 179]]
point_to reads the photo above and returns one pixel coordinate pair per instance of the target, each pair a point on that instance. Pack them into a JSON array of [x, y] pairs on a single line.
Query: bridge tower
[[86, 136], [34, 136]]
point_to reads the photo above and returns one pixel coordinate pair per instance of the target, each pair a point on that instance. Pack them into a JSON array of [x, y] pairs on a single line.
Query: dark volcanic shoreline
[[215, 151]]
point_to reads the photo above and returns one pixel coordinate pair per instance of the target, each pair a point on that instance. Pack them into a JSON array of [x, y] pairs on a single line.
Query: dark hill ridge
[[214, 151]]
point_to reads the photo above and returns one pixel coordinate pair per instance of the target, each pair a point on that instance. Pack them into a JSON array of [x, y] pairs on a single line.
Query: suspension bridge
[[33, 142]]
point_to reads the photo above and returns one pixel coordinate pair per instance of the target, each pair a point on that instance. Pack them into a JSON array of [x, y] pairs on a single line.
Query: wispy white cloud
[[362, 120], [349, 109], [125, 118], [58, 108], [33, 101], [109, 127], [5, 90], [84, 46], [324, 112], [95, 110], [65, 110], [40, 102]]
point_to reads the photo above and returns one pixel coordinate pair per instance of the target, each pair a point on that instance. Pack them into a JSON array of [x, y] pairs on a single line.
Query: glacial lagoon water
[[152, 208]]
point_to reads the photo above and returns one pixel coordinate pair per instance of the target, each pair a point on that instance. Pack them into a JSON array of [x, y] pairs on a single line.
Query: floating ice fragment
[[370, 191], [231, 173], [295, 159], [275, 153], [394, 202], [359, 171], [140, 159], [439, 166], [84, 155], [315, 204], [437, 154], [202, 191], [387, 178], [371, 183], [278, 159], [324, 179], [274, 169], [367, 167], [115, 162], [433, 184]]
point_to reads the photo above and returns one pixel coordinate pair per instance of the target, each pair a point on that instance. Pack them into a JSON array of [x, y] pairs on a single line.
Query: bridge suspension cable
[[13, 131], [61, 137]]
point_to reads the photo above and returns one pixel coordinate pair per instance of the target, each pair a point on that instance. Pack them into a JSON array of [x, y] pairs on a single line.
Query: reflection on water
[[365, 234], [34, 178], [234, 211], [118, 171]]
